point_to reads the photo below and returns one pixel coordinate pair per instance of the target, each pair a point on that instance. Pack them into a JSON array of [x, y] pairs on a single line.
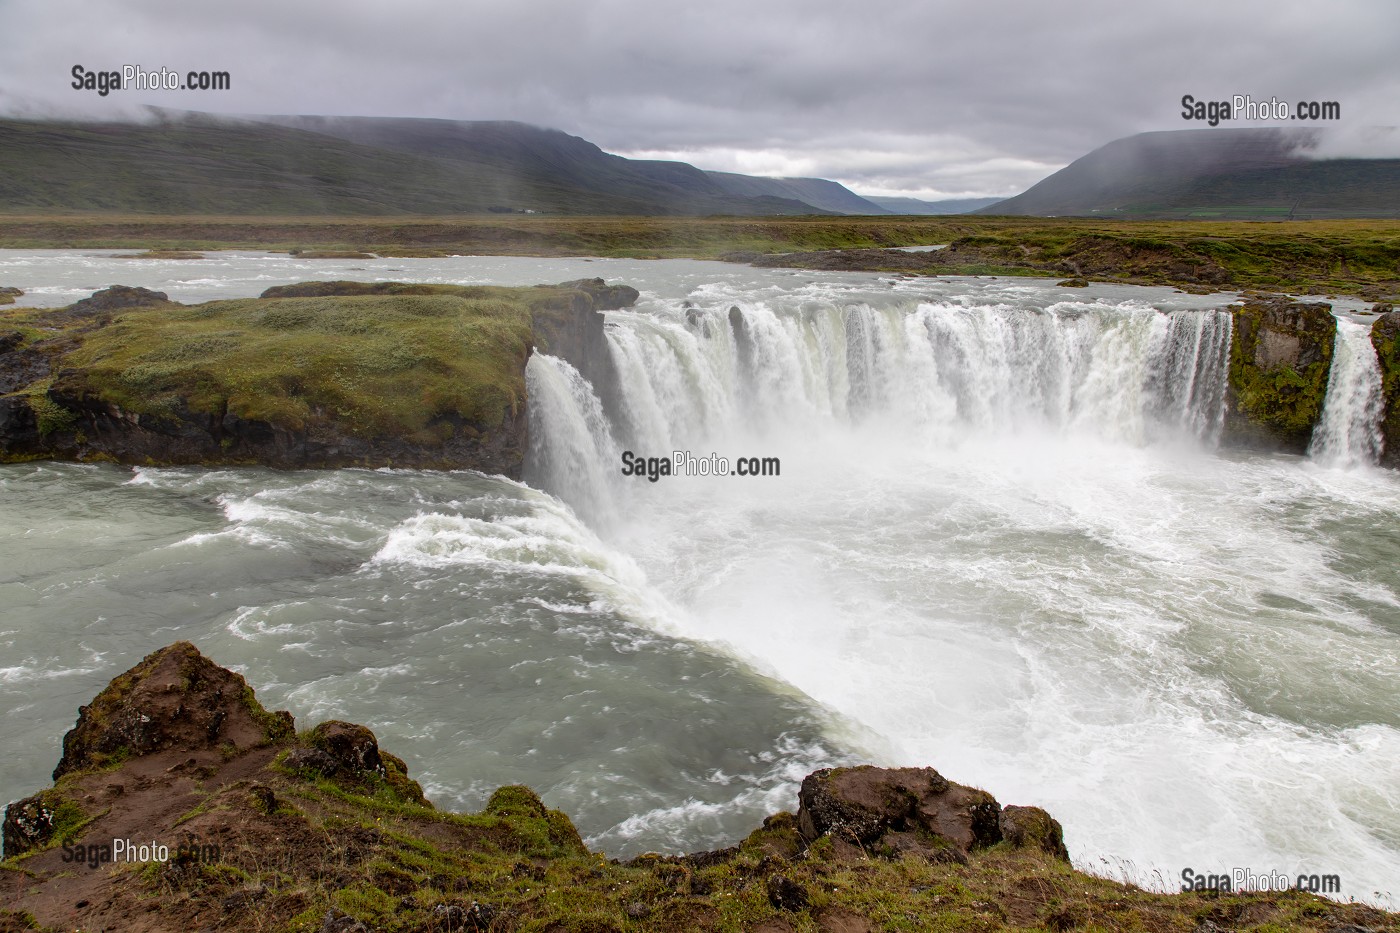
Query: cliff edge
[[181, 804]]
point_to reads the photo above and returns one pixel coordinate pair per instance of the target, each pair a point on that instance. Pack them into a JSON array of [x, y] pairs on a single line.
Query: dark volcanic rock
[[1385, 337], [865, 805], [786, 894], [115, 298], [352, 747], [571, 327], [175, 698], [29, 824], [605, 297], [311, 759], [1280, 360]]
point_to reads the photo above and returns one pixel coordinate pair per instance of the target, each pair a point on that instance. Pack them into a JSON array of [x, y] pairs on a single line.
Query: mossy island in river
[[322, 374]]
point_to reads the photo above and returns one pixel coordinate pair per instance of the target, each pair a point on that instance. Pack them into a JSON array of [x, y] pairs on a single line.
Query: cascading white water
[[996, 547], [572, 452], [691, 377], [983, 554], [1348, 434]]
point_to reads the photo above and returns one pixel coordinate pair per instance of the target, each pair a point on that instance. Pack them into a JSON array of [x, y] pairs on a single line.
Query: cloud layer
[[946, 99]]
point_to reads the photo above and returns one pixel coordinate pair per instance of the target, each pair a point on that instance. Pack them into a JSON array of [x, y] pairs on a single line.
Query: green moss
[[1282, 400], [276, 727], [378, 366], [1385, 337], [50, 416]]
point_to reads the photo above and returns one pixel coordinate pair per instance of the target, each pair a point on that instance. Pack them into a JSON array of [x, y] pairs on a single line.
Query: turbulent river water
[[1003, 543]]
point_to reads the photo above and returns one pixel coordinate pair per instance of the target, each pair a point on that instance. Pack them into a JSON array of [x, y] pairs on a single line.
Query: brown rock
[[841, 920], [352, 747], [865, 803], [175, 698]]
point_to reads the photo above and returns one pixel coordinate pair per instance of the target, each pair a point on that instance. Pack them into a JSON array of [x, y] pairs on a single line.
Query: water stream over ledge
[[1002, 543]]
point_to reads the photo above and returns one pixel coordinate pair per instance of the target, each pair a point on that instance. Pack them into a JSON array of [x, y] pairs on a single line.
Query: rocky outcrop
[[8, 294], [570, 326], [1385, 337], [115, 298], [175, 698], [1280, 360], [51, 408], [898, 811], [244, 824], [94, 428]]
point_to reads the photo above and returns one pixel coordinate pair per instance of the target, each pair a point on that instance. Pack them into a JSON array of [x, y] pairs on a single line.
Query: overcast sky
[[953, 99]]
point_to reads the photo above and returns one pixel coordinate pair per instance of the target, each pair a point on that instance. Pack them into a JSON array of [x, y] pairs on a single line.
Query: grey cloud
[[943, 99]]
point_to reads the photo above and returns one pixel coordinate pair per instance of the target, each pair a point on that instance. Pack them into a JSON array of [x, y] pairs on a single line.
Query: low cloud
[[935, 100]]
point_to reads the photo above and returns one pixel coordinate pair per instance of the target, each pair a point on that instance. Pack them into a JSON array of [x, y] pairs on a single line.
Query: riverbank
[[1337, 257], [181, 803]]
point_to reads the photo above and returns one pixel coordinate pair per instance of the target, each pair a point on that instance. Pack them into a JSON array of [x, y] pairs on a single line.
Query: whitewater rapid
[[1003, 543]]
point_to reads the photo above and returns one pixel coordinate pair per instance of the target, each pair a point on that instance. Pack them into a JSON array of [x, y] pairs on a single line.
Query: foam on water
[[1001, 544]]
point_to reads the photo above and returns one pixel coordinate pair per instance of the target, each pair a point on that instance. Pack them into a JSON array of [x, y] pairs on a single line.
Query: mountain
[[555, 155], [197, 164], [1254, 173], [916, 206], [818, 192]]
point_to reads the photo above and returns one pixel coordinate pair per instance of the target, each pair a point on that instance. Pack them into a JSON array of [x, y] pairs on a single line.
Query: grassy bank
[[1353, 257]]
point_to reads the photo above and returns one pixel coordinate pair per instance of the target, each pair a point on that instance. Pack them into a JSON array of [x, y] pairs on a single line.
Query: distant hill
[[916, 206], [1254, 173], [196, 164], [818, 192]]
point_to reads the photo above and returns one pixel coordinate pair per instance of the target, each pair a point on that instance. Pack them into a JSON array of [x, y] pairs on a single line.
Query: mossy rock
[[1280, 362], [175, 698], [1385, 337]]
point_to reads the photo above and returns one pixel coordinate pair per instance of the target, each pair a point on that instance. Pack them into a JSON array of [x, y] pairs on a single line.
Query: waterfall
[[938, 372], [572, 452], [1348, 434]]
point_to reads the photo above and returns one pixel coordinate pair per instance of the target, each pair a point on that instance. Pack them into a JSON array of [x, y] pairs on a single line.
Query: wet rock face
[[1280, 361], [175, 698], [571, 328], [898, 811], [1385, 337]]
